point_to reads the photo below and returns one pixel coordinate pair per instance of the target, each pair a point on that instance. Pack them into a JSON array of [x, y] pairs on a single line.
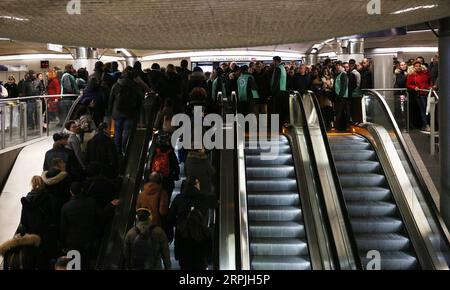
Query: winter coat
[[154, 198], [419, 79], [101, 149], [53, 88], [67, 155], [159, 243], [21, 253], [366, 79], [13, 90], [400, 79], [58, 188], [197, 164], [193, 254], [197, 80], [36, 213], [101, 189], [134, 105], [301, 83], [262, 80], [170, 87], [74, 144]]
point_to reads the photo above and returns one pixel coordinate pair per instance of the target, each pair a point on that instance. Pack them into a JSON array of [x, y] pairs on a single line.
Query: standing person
[[302, 80], [277, 85], [262, 80], [326, 96], [366, 75], [155, 198], [247, 92], [165, 162], [434, 69], [53, 88], [146, 244], [60, 151], [417, 81], [194, 242], [197, 80], [40, 83], [155, 75], [21, 252], [342, 103], [170, 87], [94, 97], [114, 72], [82, 78], [36, 218], [30, 88], [68, 86], [401, 76], [124, 104], [101, 149], [353, 94], [12, 88], [74, 143], [219, 84], [184, 73]]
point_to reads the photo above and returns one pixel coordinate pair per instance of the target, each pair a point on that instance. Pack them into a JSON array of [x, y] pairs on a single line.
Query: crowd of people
[[74, 198]]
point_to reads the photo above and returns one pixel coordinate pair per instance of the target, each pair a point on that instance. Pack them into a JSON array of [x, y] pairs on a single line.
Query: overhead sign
[[55, 47]]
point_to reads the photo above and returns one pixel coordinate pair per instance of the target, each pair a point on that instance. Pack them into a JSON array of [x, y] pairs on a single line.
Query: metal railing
[[432, 102], [23, 119]]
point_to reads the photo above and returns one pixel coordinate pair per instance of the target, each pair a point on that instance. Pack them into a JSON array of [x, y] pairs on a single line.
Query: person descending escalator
[[21, 252], [190, 197], [247, 92], [146, 244]]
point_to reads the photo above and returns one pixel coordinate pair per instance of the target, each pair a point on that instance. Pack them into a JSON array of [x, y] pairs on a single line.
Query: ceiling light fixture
[[20, 19], [405, 49], [415, 8]]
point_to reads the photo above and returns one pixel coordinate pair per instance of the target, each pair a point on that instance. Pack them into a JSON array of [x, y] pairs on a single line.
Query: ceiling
[[201, 24]]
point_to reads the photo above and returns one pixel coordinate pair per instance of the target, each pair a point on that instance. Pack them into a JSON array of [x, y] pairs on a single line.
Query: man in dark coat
[[60, 151], [101, 149]]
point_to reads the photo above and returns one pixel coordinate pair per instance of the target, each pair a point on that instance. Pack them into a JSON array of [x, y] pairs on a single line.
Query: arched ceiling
[[202, 24]]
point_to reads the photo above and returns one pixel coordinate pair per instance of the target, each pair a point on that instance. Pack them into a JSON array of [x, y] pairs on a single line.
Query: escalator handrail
[[335, 176], [325, 218], [443, 230]]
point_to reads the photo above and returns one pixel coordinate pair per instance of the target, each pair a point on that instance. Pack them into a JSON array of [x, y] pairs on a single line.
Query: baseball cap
[[59, 136]]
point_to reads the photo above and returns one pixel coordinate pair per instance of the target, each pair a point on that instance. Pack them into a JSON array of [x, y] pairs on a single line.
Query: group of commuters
[[418, 77]]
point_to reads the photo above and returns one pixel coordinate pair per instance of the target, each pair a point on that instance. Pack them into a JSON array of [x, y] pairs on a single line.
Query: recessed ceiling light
[[415, 8]]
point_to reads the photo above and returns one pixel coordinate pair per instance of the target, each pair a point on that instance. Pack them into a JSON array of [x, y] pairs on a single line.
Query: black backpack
[[142, 250], [125, 101]]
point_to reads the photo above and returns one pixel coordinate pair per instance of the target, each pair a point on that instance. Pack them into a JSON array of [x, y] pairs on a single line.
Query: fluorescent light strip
[[222, 53], [14, 18], [415, 8], [404, 49], [51, 56]]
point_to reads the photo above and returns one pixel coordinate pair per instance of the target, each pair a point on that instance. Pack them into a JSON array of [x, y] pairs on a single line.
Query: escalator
[[276, 228], [375, 219]]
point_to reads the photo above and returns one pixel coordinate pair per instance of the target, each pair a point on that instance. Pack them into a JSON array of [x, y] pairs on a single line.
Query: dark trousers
[[63, 110], [31, 114], [422, 103], [122, 128], [343, 113]]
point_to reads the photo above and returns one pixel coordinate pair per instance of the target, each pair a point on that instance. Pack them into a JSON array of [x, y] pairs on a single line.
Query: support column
[[348, 49], [444, 117], [85, 57]]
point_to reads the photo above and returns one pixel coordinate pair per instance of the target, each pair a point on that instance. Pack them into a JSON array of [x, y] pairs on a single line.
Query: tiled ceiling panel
[[202, 24]]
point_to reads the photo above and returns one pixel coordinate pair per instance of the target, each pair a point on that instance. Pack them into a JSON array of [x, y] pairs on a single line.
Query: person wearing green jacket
[[247, 92], [218, 85], [342, 103], [277, 86]]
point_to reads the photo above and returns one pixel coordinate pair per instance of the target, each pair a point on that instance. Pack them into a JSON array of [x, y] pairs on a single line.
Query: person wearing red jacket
[[417, 81], [53, 88]]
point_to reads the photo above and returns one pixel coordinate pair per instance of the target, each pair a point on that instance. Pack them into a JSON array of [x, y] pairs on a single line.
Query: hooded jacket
[[152, 195], [159, 243], [20, 253], [419, 79]]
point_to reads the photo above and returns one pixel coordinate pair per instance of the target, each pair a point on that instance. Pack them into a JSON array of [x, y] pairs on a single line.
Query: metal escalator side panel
[[344, 242], [320, 252], [403, 190]]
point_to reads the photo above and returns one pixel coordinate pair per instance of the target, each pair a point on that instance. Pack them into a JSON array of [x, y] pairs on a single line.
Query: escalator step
[[383, 242], [362, 180], [274, 213], [271, 172], [376, 225], [276, 230], [395, 261], [280, 263], [349, 145], [276, 184], [357, 155], [271, 198], [278, 247], [352, 138], [357, 167], [371, 209], [366, 194], [282, 149], [257, 160]]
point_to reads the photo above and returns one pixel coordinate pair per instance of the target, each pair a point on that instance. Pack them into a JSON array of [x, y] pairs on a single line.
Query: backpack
[[142, 250], [125, 102], [66, 84], [161, 162]]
